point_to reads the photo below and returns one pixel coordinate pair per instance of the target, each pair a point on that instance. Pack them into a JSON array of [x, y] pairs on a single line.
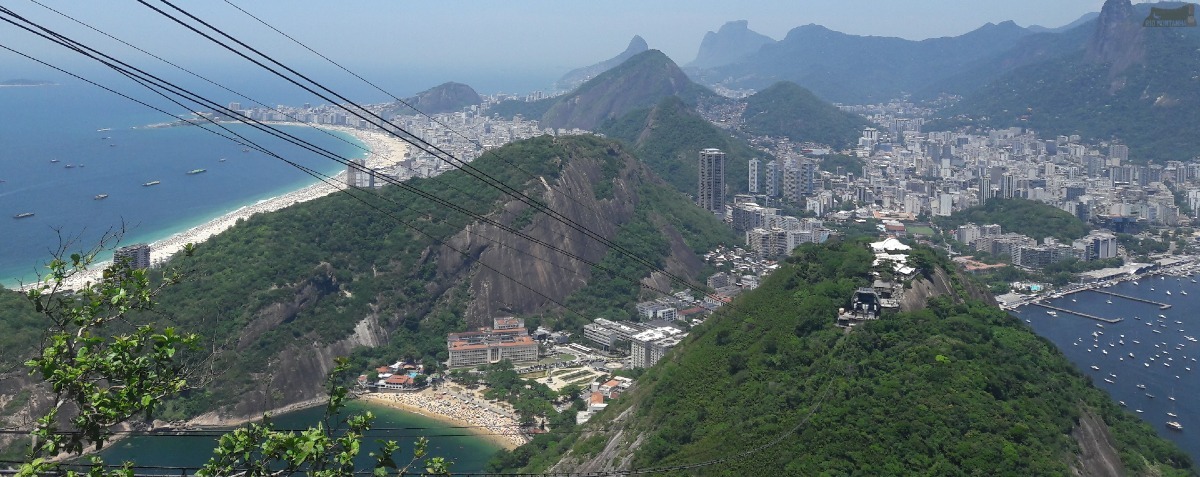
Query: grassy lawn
[[919, 230]]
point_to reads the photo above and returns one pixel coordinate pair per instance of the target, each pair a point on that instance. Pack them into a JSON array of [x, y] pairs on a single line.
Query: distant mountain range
[[578, 76], [859, 69], [729, 44], [1111, 79]]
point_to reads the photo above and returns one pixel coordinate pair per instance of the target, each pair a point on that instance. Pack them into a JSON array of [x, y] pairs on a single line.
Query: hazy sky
[[505, 45]]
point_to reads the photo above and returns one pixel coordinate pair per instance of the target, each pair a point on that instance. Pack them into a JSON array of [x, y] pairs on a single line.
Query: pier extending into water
[[1161, 305], [1078, 313]]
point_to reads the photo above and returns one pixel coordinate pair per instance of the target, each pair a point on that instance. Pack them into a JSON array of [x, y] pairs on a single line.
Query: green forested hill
[[788, 110], [640, 82], [669, 137], [1143, 91], [1025, 217], [280, 294], [959, 388]]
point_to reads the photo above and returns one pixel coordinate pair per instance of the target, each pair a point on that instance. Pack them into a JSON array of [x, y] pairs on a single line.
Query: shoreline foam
[[384, 151]]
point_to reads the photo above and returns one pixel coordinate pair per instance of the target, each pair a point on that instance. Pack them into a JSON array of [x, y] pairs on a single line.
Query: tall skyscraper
[[134, 256], [773, 178], [1119, 151], [753, 167], [711, 191]]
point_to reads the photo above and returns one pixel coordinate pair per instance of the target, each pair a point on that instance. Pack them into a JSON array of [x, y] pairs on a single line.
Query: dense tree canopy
[[1025, 217], [959, 388]]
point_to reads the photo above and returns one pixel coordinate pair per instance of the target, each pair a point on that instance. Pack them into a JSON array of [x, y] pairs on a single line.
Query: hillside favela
[[826, 238]]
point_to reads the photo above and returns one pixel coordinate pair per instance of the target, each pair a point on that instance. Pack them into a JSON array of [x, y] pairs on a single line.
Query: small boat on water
[[151, 183], [221, 160], [23, 215], [52, 161], [69, 166], [1171, 414], [1109, 381], [1108, 301], [1151, 396], [1051, 312], [100, 196], [1168, 292], [1175, 425], [1141, 386], [196, 171]]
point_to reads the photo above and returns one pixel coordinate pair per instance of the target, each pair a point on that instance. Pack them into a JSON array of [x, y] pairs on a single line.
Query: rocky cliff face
[[942, 283], [732, 42], [552, 273], [1118, 39]]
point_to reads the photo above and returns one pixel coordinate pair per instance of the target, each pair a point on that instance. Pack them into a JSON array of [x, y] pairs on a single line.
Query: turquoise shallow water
[[93, 132], [469, 453]]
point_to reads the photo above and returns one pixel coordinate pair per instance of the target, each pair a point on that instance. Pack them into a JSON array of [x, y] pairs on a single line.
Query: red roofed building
[[509, 341]]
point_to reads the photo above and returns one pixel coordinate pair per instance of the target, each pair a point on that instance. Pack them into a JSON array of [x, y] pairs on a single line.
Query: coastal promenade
[[1186, 268], [385, 151]]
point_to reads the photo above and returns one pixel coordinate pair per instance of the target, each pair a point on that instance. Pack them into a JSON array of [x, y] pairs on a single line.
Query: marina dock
[[1078, 313], [1161, 306]]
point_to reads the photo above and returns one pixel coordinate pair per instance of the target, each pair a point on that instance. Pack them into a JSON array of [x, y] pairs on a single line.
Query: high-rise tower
[[753, 169], [711, 191]]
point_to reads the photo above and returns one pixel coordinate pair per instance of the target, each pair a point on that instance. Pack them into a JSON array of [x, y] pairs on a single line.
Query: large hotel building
[[506, 339]]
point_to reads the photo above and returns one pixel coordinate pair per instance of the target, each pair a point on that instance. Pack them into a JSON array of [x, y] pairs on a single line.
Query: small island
[[25, 82]]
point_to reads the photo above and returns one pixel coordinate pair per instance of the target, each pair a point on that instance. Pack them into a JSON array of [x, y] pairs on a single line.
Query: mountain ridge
[[841, 67], [1121, 82], [732, 42], [572, 79], [639, 82]]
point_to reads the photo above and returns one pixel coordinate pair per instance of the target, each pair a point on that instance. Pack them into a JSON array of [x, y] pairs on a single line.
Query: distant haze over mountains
[[1112, 79], [576, 77], [731, 43], [444, 98]]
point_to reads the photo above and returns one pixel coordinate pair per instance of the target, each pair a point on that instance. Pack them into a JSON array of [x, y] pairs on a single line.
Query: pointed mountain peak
[[637, 45], [640, 82], [576, 77]]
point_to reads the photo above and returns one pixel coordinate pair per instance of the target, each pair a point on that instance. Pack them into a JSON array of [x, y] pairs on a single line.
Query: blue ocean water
[[93, 131], [1163, 360]]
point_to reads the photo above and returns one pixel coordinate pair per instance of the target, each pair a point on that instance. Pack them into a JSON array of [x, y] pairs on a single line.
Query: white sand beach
[[385, 151], [494, 421]]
